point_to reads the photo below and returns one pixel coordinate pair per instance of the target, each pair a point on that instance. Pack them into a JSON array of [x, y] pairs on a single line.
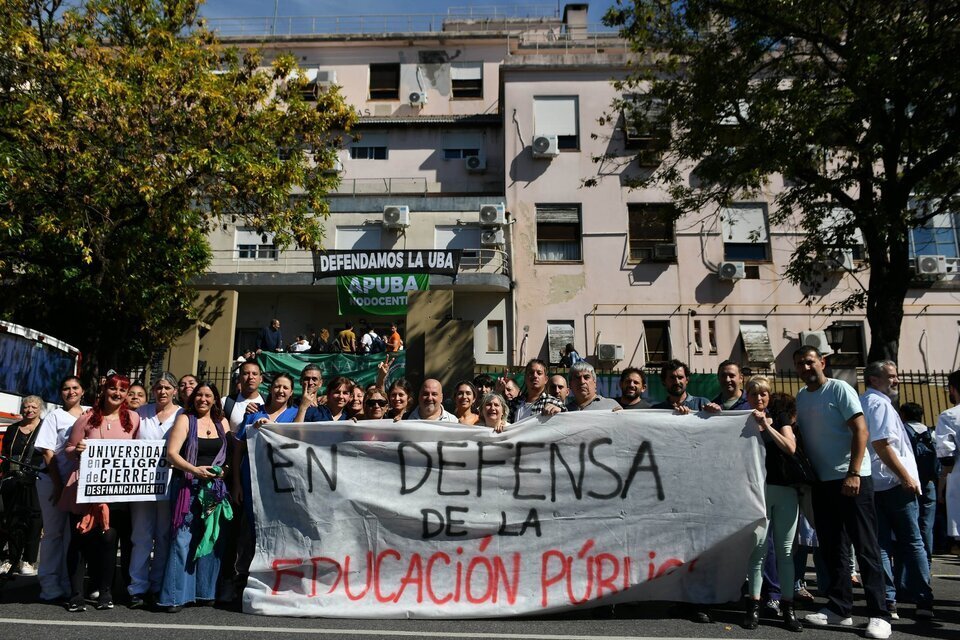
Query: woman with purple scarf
[[196, 450]]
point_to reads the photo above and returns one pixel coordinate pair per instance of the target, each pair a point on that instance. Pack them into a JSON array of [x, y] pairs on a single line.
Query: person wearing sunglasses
[[374, 405]]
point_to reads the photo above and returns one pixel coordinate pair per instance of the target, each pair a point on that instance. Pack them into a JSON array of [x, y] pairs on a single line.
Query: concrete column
[[437, 345]]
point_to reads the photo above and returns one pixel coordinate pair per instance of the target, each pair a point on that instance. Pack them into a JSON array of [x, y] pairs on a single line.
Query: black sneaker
[[137, 601], [104, 602], [75, 606], [174, 609]]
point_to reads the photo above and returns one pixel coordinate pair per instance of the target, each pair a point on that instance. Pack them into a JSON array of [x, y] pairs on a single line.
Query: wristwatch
[[853, 474]]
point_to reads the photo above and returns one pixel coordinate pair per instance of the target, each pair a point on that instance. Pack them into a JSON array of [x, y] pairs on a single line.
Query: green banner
[[384, 295], [360, 369]]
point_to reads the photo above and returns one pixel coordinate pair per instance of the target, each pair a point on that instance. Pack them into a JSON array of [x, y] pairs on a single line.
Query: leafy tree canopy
[[127, 133], [852, 103]]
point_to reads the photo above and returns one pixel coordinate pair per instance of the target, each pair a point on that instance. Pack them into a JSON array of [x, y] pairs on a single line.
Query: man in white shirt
[[948, 449], [249, 399], [430, 405], [896, 485]]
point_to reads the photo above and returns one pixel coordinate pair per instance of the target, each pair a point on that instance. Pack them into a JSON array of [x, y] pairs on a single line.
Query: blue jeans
[[898, 515], [187, 579]]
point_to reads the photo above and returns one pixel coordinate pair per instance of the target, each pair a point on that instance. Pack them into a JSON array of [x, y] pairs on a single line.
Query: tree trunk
[[886, 292]]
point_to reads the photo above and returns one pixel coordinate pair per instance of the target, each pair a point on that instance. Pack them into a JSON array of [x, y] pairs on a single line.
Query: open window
[[656, 337], [651, 232], [643, 131], [253, 245], [385, 81], [466, 79]]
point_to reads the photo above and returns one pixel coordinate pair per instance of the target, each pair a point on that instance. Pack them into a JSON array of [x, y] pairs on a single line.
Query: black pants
[[96, 552], [21, 524], [841, 520]]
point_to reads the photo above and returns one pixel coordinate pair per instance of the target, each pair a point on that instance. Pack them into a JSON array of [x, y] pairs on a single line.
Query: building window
[[369, 146], [650, 231], [936, 237], [466, 79], [656, 335], [558, 116], [461, 144], [558, 233], [756, 344], [642, 130], [385, 81], [366, 238], [712, 336], [840, 217], [745, 234], [462, 237], [560, 333], [846, 340], [251, 245], [494, 336], [705, 337]]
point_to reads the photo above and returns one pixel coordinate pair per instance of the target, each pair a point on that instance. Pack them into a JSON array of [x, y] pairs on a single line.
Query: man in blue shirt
[[270, 338], [732, 396], [675, 376], [835, 435]]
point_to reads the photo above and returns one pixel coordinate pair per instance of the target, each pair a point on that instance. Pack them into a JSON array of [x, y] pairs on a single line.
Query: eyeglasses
[[375, 403]]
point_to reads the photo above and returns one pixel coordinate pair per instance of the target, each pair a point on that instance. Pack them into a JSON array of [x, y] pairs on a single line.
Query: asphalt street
[[22, 617]]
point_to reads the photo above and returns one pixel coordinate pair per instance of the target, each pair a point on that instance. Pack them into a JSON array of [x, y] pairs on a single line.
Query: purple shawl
[[182, 505]]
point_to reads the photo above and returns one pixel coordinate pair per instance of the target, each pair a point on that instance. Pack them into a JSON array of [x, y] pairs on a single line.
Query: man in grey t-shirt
[[583, 387]]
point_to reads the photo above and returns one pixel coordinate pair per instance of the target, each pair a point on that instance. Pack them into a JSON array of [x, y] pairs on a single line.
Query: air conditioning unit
[[493, 215], [816, 339], [417, 99], [475, 163], [336, 168], [326, 78], [839, 260], [545, 146], [731, 271], [931, 265], [610, 352], [665, 251], [492, 238], [396, 216]]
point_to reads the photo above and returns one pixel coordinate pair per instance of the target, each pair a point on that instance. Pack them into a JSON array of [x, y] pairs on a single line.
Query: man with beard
[[632, 385], [676, 376], [732, 396], [896, 485], [430, 405], [536, 401], [835, 435]]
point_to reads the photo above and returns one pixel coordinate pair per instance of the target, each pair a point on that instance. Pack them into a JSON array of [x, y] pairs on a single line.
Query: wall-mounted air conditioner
[[492, 238], [931, 265], [610, 352], [665, 251], [493, 215], [475, 163], [731, 271], [396, 216], [545, 146], [417, 99]]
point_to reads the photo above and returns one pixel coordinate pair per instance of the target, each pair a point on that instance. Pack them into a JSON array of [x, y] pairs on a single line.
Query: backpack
[[378, 345], [925, 451]]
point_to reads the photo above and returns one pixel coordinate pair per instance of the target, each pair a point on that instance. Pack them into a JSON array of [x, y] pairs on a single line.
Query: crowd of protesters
[[848, 475]]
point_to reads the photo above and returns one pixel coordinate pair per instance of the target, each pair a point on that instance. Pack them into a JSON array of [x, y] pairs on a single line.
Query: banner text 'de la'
[[420, 519]]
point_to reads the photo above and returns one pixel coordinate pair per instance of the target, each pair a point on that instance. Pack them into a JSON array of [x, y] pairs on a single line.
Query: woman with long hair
[[197, 451], [463, 401], [151, 520], [185, 387], [399, 396], [355, 408], [18, 484], [775, 415], [51, 441], [98, 528], [493, 412]]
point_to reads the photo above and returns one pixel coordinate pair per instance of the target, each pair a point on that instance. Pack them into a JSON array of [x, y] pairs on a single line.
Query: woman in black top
[[21, 525]]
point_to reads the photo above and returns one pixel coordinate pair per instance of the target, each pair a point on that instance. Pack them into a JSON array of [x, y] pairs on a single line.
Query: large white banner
[[123, 471], [423, 519]]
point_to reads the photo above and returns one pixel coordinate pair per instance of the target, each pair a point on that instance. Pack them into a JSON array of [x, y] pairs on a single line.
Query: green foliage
[[128, 132], [853, 103]]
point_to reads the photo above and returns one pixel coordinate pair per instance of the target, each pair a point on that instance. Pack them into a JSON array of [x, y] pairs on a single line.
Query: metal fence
[[926, 388]]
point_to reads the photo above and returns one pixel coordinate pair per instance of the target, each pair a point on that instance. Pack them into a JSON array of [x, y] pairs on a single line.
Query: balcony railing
[[418, 186], [493, 261], [492, 19]]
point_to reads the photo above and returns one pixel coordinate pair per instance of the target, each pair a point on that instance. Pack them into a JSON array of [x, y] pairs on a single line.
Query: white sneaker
[[27, 569], [825, 616], [5, 568], [878, 628]]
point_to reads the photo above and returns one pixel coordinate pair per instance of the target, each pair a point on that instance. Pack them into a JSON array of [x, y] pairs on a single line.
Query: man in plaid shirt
[[535, 400]]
